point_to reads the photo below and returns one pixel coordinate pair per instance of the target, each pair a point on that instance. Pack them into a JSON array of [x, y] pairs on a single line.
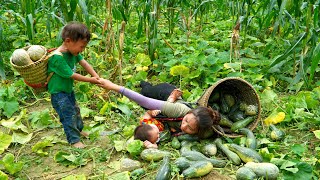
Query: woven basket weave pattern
[[239, 88], [35, 73]]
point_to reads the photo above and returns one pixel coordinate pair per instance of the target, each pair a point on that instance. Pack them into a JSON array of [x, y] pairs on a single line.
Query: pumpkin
[[36, 52], [20, 57]]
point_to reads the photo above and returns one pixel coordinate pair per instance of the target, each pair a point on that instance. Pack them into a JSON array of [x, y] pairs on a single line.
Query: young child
[[149, 128], [61, 68]]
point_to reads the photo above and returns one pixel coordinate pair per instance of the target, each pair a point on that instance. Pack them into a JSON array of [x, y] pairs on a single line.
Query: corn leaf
[[288, 51], [314, 61]]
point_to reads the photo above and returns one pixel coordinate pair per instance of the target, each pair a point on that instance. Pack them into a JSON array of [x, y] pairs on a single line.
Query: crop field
[[261, 57]]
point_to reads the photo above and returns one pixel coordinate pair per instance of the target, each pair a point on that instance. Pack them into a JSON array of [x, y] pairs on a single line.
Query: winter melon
[[20, 57], [36, 52]]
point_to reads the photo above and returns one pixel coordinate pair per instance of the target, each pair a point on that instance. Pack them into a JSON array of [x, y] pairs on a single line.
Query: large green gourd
[[266, 170], [276, 134], [198, 156], [36, 52], [245, 154], [198, 169], [20, 57], [245, 173], [164, 170], [153, 154], [232, 156], [251, 141]]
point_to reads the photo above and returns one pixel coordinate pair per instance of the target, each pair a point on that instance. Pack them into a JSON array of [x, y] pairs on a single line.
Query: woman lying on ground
[[197, 121]]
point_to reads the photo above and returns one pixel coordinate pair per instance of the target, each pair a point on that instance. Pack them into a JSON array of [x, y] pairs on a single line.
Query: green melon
[[20, 57], [36, 52]]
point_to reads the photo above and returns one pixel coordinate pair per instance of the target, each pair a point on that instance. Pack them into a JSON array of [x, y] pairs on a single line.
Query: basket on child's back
[[235, 99], [31, 63]]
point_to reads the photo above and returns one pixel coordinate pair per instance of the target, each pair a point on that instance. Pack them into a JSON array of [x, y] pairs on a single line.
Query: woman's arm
[[143, 101]]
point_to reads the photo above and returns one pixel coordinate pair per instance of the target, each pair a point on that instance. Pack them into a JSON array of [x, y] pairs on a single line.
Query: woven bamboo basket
[[35, 74], [242, 90]]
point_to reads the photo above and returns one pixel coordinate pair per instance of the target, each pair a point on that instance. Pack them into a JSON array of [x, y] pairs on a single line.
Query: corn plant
[[170, 12], [2, 72], [153, 31]]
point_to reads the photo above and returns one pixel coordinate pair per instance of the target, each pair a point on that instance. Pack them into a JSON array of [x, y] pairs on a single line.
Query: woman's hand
[[106, 84]]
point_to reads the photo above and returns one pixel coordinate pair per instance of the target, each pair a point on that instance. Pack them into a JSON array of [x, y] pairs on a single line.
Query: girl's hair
[[142, 132], [76, 31], [206, 117]]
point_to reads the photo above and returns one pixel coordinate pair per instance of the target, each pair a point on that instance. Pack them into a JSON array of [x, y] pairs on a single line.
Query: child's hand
[[148, 144], [94, 80], [154, 113]]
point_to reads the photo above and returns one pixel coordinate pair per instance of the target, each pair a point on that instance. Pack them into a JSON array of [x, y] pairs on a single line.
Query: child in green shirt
[[61, 65]]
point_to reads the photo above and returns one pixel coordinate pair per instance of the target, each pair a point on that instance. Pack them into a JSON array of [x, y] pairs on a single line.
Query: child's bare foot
[[79, 145], [85, 134], [175, 94]]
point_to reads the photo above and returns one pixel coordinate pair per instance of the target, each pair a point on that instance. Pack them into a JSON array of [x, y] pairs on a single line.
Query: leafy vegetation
[[273, 44]]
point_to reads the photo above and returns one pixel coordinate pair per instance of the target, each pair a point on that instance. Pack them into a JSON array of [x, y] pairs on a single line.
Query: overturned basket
[[35, 74], [242, 90]]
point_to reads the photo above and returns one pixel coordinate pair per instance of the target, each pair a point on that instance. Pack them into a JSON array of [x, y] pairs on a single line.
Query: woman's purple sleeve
[[143, 101]]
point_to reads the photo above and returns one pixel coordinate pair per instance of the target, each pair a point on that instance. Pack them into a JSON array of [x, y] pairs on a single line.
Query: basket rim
[[205, 97]]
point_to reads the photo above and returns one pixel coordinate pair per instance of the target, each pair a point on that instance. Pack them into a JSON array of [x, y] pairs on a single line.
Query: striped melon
[[20, 57], [36, 52]]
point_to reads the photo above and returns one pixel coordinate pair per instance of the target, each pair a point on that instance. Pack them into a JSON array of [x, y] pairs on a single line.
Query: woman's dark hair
[[142, 132], [76, 31], [206, 117]]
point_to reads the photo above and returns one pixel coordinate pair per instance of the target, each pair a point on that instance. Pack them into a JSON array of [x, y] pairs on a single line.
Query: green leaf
[[119, 145], [70, 157], [10, 107], [287, 164], [314, 61], [135, 147], [308, 97], [3, 176], [298, 149], [85, 112], [179, 70], [2, 71], [10, 165], [21, 137], [39, 146], [128, 130], [5, 141], [60, 158], [15, 123], [41, 119], [288, 51], [316, 133], [120, 176], [125, 109], [75, 177], [268, 98], [304, 172], [266, 155], [143, 60]]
